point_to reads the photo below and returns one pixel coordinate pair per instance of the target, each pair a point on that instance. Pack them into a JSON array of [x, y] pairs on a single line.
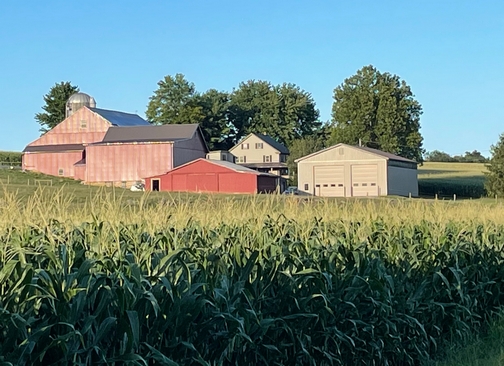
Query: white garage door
[[329, 181], [364, 180]]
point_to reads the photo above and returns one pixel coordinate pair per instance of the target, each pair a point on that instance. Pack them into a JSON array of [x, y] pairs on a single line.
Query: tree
[[218, 130], [174, 102], [302, 147], [55, 102], [177, 101], [284, 112], [474, 157], [378, 109], [439, 156], [495, 175]]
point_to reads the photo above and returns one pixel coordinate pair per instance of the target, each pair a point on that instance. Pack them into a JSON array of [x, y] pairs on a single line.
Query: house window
[[283, 158], [306, 187], [266, 158], [61, 172], [245, 146], [242, 159], [259, 145], [83, 124]]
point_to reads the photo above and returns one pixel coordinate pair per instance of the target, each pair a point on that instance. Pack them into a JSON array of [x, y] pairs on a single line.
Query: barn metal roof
[[53, 148], [120, 118], [150, 133], [384, 154]]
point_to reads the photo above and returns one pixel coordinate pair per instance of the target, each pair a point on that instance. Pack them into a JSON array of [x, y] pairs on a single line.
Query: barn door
[[365, 180], [329, 181]]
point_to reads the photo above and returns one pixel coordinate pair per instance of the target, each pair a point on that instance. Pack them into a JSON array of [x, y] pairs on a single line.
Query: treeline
[[468, 157], [10, 157]]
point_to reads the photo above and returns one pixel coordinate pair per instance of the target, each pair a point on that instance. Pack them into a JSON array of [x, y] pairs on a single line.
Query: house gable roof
[[120, 118], [281, 148], [383, 154], [150, 133]]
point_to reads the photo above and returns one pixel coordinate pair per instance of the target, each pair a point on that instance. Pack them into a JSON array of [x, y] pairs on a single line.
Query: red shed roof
[[225, 164]]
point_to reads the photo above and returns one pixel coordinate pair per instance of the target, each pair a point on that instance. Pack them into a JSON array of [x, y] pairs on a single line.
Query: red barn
[[203, 175], [103, 146]]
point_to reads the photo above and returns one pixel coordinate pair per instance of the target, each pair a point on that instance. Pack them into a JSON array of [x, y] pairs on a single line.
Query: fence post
[[409, 195], [435, 197], [454, 197]]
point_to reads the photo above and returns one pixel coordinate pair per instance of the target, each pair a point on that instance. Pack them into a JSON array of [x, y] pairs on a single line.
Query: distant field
[[447, 179]]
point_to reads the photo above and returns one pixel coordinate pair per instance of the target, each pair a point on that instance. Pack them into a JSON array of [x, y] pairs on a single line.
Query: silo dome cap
[[80, 98]]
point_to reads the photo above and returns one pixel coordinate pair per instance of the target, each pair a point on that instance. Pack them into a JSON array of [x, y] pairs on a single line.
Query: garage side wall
[[345, 157], [402, 181]]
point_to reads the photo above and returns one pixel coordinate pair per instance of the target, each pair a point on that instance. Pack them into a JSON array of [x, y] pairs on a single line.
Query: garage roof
[[384, 154]]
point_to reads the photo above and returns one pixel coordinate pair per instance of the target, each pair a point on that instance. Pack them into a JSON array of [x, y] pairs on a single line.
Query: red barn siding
[[238, 182], [204, 176], [126, 162], [80, 172], [50, 163]]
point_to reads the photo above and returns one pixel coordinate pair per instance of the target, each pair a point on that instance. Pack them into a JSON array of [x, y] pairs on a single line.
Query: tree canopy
[[284, 112], [54, 108], [495, 176], [469, 157], [302, 147], [380, 110]]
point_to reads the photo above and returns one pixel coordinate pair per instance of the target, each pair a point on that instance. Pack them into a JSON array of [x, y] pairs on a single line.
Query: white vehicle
[[138, 187]]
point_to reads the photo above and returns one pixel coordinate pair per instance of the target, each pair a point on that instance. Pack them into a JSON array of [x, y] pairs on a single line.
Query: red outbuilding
[[202, 175]]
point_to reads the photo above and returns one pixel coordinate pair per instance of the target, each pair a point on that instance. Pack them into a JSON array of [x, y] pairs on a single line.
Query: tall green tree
[[176, 101], [380, 110], [218, 130], [495, 175], [284, 112], [54, 108], [302, 147]]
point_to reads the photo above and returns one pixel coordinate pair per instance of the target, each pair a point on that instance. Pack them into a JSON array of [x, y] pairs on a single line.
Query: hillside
[[447, 179]]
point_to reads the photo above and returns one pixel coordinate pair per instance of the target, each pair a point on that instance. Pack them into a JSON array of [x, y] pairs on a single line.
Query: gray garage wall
[[402, 181]]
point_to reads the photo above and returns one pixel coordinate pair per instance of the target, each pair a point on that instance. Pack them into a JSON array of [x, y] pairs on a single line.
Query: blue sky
[[451, 53]]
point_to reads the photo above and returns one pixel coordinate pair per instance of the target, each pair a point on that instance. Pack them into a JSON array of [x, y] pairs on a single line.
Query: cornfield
[[223, 281]]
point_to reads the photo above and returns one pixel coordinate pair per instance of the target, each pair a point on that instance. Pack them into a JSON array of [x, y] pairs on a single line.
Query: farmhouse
[[355, 171], [263, 153], [103, 146], [203, 175]]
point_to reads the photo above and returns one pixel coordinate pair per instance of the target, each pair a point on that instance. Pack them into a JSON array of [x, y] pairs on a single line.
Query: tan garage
[[356, 171]]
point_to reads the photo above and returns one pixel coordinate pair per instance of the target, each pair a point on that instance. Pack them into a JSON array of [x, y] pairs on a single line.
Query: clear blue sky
[[450, 52]]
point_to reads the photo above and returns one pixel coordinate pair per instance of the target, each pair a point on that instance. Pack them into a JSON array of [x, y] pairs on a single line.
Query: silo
[[76, 101]]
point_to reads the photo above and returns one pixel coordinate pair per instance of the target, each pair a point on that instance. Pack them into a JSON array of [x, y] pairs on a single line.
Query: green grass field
[[466, 180]]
